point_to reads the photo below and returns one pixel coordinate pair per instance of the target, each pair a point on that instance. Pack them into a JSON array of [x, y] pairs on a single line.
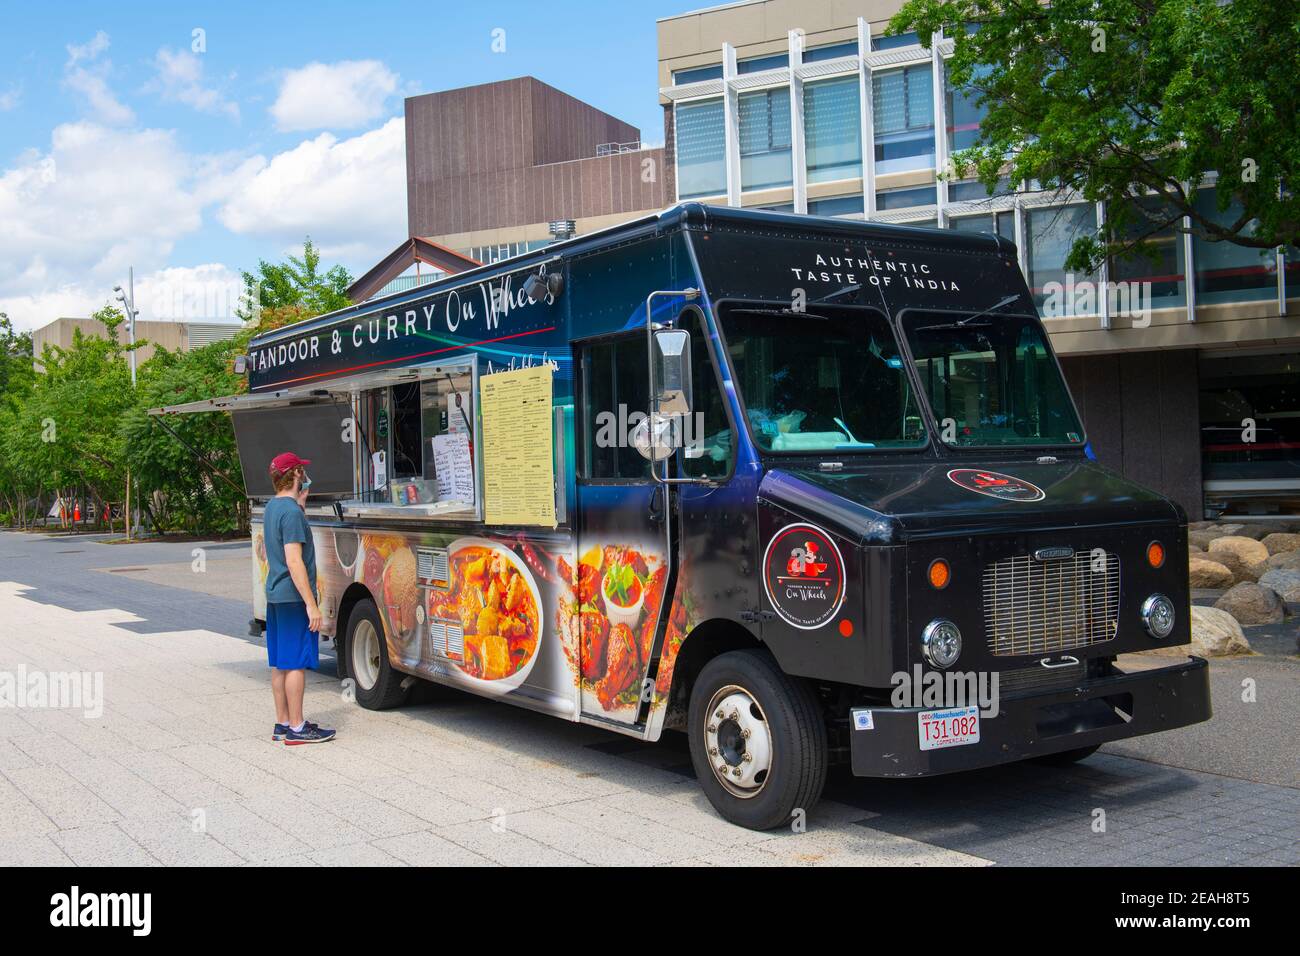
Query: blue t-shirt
[[285, 523]]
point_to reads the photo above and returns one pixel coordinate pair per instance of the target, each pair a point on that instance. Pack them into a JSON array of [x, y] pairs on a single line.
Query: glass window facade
[[1051, 232], [1003, 223], [894, 42], [1264, 389], [836, 206], [903, 115], [701, 149], [832, 51], [765, 138], [1161, 272], [1226, 272], [697, 74], [758, 64], [964, 115], [832, 133], [908, 196]]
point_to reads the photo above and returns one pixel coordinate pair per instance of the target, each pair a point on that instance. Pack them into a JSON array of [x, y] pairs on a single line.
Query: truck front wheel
[[758, 740], [378, 686]]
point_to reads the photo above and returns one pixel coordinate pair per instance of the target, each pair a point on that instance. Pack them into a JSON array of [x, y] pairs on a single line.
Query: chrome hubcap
[[365, 655], [738, 741]]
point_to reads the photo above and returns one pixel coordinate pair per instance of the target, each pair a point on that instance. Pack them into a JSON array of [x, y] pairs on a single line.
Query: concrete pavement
[[179, 768]]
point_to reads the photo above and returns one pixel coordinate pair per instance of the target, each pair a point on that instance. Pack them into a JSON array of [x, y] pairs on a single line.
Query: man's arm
[[298, 572]]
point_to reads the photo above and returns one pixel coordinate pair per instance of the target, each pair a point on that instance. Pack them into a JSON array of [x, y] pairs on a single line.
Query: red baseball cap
[[287, 461]]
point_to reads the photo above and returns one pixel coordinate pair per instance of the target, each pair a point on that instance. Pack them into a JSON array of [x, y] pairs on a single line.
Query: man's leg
[[295, 682], [281, 701]]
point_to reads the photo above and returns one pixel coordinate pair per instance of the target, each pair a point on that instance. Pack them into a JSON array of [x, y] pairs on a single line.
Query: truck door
[[624, 561]]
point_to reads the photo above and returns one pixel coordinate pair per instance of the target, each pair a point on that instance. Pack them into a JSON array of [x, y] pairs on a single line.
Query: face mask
[[306, 482]]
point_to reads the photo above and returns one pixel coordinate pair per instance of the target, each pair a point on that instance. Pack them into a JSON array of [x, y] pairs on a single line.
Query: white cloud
[[341, 95], [180, 79], [99, 200], [89, 50], [349, 195], [91, 80], [9, 98]]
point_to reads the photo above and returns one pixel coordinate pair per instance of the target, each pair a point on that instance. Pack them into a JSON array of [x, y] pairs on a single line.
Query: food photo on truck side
[[739, 474]]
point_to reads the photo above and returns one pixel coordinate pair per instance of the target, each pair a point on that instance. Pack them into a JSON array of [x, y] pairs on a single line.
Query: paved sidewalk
[[180, 769]]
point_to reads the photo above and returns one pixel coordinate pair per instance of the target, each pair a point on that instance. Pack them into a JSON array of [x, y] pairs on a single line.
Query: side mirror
[[671, 359], [659, 434]]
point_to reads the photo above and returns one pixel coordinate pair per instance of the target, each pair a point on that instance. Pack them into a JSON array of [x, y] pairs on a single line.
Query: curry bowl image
[[493, 599]]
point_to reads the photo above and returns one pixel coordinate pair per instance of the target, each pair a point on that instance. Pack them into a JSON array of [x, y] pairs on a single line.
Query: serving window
[[416, 446]]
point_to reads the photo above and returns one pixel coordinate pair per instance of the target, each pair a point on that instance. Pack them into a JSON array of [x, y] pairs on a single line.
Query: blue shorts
[[290, 646]]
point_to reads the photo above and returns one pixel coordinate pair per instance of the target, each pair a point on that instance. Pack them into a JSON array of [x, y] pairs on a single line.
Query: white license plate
[[954, 727]]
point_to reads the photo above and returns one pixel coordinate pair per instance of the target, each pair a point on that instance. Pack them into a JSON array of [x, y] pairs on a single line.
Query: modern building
[[809, 106], [174, 336], [500, 168]]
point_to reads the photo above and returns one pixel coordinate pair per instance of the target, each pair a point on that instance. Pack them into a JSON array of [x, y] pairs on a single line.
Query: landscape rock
[[1208, 574], [1248, 549], [1252, 604], [1286, 584], [1202, 539], [1216, 633], [1281, 542], [1287, 560], [1241, 570], [1222, 528]]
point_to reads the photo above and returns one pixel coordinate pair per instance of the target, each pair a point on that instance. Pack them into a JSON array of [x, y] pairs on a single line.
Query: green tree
[[62, 436], [294, 289], [1109, 97], [185, 477]]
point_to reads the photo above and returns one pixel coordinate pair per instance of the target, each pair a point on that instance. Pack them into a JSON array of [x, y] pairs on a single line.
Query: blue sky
[[128, 139]]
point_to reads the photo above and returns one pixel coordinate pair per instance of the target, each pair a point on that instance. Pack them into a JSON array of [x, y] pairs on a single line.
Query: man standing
[[292, 615]]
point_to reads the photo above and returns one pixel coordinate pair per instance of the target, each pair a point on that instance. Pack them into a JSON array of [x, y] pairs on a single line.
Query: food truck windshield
[[824, 380], [992, 379]]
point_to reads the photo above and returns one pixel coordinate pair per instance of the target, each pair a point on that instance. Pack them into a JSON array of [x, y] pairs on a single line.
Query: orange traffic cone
[[76, 512]]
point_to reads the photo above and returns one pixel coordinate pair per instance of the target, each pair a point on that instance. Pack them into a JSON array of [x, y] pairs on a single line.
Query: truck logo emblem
[[803, 574], [996, 485], [1053, 554]]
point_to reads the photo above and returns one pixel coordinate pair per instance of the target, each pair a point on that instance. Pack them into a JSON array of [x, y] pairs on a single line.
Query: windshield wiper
[[993, 308], [839, 293]]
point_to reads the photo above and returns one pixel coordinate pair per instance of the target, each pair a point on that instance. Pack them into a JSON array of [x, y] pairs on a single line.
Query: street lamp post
[[127, 299]]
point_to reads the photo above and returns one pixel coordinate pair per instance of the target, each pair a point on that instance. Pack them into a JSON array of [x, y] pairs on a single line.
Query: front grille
[[1039, 678], [1041, 607]]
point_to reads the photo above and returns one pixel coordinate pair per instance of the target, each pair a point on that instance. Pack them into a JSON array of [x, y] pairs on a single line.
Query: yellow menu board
[[518, 462]]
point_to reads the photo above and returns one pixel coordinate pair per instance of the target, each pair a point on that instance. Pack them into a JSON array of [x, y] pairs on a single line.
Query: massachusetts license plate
[[956, 727]]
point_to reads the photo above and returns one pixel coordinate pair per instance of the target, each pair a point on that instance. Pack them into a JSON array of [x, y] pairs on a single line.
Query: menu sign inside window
[[518, 462]]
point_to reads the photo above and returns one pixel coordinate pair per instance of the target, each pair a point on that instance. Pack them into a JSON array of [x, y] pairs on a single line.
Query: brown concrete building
[[490, 167], [174, 336]]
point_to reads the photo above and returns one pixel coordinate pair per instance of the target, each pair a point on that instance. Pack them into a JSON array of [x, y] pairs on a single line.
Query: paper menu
[[454, 466], [517, 455], [379, 463]]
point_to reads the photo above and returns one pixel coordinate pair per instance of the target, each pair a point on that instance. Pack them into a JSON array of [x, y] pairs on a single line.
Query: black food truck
[[740, 474]]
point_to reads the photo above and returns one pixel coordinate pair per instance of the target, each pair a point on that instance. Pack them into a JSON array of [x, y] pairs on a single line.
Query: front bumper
[[1094, 712]]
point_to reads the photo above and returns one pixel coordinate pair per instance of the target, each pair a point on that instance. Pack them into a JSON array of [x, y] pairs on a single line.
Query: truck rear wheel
[[378, 686], [758, 740]]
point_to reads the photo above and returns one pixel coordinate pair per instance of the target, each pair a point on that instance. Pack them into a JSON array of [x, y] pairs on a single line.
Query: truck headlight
[[1158, 616], [941, 643]]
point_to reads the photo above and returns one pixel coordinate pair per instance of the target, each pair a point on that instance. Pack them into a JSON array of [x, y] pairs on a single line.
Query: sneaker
[[310, 734], [279, 730]]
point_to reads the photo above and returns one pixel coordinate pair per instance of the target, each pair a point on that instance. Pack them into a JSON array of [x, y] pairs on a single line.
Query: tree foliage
[[1117, 97], [294, 289]]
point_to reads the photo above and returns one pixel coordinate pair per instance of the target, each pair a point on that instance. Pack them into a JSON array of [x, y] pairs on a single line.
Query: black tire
[[1067, 757], [386, 691], [796, 729]]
